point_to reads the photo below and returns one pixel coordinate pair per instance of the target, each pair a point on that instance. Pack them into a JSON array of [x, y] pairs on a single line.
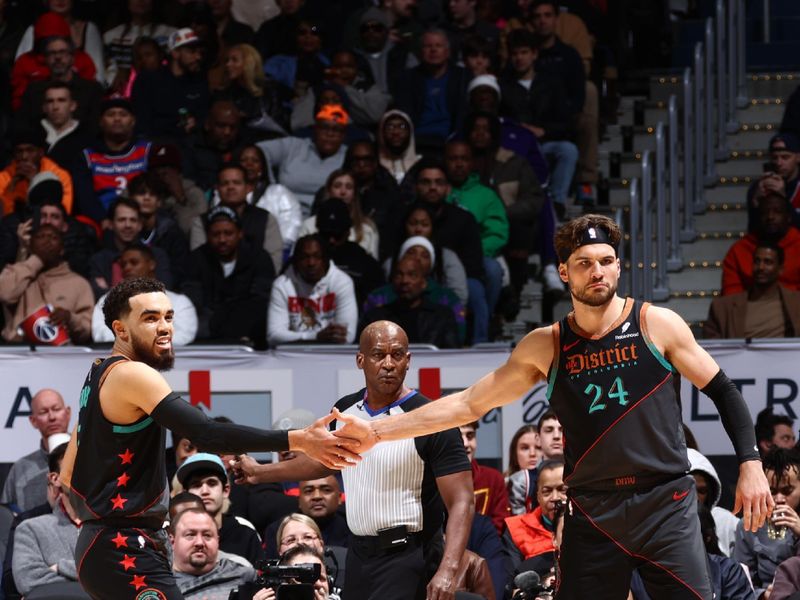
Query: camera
[[528, 586], [290, 582]]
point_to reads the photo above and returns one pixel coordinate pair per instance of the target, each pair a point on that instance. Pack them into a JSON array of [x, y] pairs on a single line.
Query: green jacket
[[488, 210]]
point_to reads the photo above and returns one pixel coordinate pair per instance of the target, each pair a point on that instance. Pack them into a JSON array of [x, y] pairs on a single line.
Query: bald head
[[382, 331], [49, 414]]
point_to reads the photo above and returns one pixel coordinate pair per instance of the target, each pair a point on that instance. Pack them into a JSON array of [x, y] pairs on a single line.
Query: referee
[[395, 495]]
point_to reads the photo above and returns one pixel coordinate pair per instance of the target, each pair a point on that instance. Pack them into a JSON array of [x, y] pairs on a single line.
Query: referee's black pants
[[655, 530], [398, 574]]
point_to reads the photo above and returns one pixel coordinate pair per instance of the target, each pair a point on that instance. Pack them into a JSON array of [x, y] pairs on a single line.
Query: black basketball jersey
[[119, 470], [615, 399]]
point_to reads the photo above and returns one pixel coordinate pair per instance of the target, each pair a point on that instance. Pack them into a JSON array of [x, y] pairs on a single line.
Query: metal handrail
[[687, 233], [709, 174], [634, 226], [647, 227], [742, 96], [721, 79], [732, 125], [660, 286], [698, 203], [674, 261]]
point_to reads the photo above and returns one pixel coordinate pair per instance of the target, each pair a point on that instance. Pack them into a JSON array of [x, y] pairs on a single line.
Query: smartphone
[[770, 167]]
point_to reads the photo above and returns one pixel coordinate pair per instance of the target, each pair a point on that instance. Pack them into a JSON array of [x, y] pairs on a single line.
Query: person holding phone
[[781, 175]]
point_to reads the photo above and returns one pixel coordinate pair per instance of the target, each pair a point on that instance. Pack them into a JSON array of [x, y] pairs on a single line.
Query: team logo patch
[[151, 594]]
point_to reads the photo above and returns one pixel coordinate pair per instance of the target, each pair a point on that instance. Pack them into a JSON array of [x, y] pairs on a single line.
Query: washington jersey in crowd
[[111, 173], [114, 473], [614, 395]]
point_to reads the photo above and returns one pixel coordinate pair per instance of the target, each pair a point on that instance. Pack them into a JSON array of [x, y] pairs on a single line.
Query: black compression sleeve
[[735, 416], [177, 415]]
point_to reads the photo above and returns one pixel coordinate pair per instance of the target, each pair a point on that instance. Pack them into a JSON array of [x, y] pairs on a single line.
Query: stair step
[[733, 220], [707, 250], [695, 279]]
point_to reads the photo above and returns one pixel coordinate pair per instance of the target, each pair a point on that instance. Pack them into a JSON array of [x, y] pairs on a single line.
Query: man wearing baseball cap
[[171, 101], [781, 175]]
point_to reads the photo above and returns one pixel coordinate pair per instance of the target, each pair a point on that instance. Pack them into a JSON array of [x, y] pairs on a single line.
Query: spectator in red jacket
[[775, 227], [491, 498], [32, 66]]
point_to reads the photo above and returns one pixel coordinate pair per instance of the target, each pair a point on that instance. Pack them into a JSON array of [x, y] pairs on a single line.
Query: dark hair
[[784, 203], [546, 416], [266, 174], [123, 201], [537, 3], [147, 182], [308, 239], [54, 202], [348, 155], [771, 246], [299, 550], [781, 460], [766, 421], [185, 496], [521, 38], [494, 125], [430, 162], [117, 304], [513, 463], [55, 457], [143, 249], [146, 40], [58, 85], [569, 236], [475, 44], [708, 529], [549, 465], [231, 165]]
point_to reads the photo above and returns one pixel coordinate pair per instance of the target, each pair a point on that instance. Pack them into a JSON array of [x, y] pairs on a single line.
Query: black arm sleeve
[[735, 416], [177, 415]]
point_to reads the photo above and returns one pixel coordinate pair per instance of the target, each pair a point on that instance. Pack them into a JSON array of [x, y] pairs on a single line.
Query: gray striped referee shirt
[[395, 482]]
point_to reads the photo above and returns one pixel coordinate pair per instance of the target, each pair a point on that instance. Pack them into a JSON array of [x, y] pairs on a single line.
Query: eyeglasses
[[307, 538]]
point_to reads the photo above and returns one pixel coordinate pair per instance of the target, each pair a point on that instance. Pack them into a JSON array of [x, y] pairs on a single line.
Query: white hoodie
[[298, 310]]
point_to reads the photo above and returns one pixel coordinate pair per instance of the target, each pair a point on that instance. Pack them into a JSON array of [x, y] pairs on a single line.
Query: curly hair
[[780, 461], [117, 304], [569, 236]]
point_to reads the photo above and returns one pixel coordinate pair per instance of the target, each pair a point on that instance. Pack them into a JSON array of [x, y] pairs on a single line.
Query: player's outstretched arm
[[526, 365], [137, 386], [675, 340], [247, 470]]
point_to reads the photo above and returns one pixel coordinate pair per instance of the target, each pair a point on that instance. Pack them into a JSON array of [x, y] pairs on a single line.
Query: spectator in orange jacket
[[491, 497], [28, 160], [774, 226], [32, 65], [530, 536]]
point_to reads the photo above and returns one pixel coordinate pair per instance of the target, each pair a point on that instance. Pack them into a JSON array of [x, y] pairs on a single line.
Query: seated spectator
[[523, 450], [185, 200], [139, 261], [275, 198], [305, 66], [207, 149], [320, 500], [84, 35], [774, 227], [396, 146], [766, 309], [137, 19], [761, 552], [314, 100], [229, 281], [204, 474], [181, 501], [32, 66], [709, 491], [455, 228], [781, 177], [419, 93], [172, 101], [437, 289], [298, 531], [59, 56], [313, 301], [522, 484], [377, 192], [28, 160], [25, 486], [276, 35], [257, 97], [148, 55], [464, 22], [42, 280], [126, 229], [487, 208], [774, 431], [378, 53], [66, 135], [531, 534], [363, 99], [491, 498], [230, 31], [44, 207], [423, 321], [341, 185], [44, 546], [478, 54], [112, 161], [539, 102], [510, 175], [259, 227], [200, 571], [334, 225], [304, 165], [158, 228]]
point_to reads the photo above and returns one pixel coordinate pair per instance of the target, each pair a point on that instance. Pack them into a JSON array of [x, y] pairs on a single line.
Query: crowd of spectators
[[215, 146]]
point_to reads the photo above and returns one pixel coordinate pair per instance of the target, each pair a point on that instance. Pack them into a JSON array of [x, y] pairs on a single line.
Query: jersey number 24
[[616, 392]]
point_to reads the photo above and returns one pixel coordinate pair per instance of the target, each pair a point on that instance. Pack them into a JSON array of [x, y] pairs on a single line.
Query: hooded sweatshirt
[[398, 167], [724, 519], [488, 210]]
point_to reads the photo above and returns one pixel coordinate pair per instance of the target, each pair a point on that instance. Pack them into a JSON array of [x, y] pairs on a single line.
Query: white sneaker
[[552, 282]]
